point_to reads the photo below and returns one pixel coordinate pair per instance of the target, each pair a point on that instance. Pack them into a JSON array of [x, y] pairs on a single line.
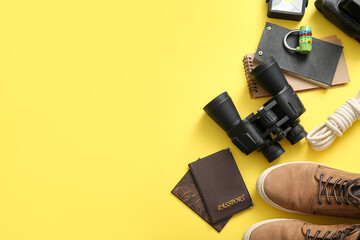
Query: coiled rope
[[325, 134]]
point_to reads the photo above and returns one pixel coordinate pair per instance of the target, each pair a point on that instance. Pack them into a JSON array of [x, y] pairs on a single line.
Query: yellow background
[[101, 111]]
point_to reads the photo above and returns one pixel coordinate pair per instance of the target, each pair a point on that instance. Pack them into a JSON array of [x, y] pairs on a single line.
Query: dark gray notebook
[[317, 67]]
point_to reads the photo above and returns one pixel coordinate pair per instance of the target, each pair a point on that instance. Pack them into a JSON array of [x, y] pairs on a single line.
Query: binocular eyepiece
[[279, 116], [268, 74]]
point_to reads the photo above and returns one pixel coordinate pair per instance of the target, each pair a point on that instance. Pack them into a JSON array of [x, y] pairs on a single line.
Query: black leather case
[[331, 10]]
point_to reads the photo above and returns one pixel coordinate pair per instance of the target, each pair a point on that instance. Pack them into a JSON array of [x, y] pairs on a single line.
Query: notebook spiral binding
[[248, 67]]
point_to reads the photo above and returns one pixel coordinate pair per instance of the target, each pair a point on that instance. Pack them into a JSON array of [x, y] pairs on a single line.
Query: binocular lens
[[296, 134], [268, 74], [273, 151], [222, 110]]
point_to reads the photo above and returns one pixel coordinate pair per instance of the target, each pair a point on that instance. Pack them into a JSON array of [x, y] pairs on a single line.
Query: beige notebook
[[340, 78]]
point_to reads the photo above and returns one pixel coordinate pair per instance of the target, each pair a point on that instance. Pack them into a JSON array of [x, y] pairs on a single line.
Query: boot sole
[[248, 232], [261, 191]]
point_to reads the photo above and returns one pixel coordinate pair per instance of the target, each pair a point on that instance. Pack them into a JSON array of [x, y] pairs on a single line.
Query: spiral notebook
[[341, 75]]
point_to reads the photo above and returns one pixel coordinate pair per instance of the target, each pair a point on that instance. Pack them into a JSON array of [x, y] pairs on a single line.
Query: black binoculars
[[278, 117]]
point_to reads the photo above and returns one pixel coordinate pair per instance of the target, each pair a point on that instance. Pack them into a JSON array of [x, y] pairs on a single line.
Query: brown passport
[[220, 185], [187, 192]]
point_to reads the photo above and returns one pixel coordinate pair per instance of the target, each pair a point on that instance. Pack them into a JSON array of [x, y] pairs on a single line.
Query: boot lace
[[345, 188], [338, 235]]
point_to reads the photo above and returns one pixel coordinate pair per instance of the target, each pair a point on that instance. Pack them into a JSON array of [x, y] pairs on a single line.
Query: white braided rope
[[324, 135]]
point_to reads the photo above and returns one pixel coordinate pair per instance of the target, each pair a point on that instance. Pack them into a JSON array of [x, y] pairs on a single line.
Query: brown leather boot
[[275, 229], [311, 188]]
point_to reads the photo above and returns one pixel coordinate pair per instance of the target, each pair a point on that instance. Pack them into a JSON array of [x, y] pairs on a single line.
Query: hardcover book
[[221, 185], [317, 67]]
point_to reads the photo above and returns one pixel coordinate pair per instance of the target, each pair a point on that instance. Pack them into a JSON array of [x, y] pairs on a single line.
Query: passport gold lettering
[[231, 202]]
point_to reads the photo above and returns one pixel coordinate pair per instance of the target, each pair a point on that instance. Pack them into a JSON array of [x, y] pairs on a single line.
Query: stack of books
[[324, 67]]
